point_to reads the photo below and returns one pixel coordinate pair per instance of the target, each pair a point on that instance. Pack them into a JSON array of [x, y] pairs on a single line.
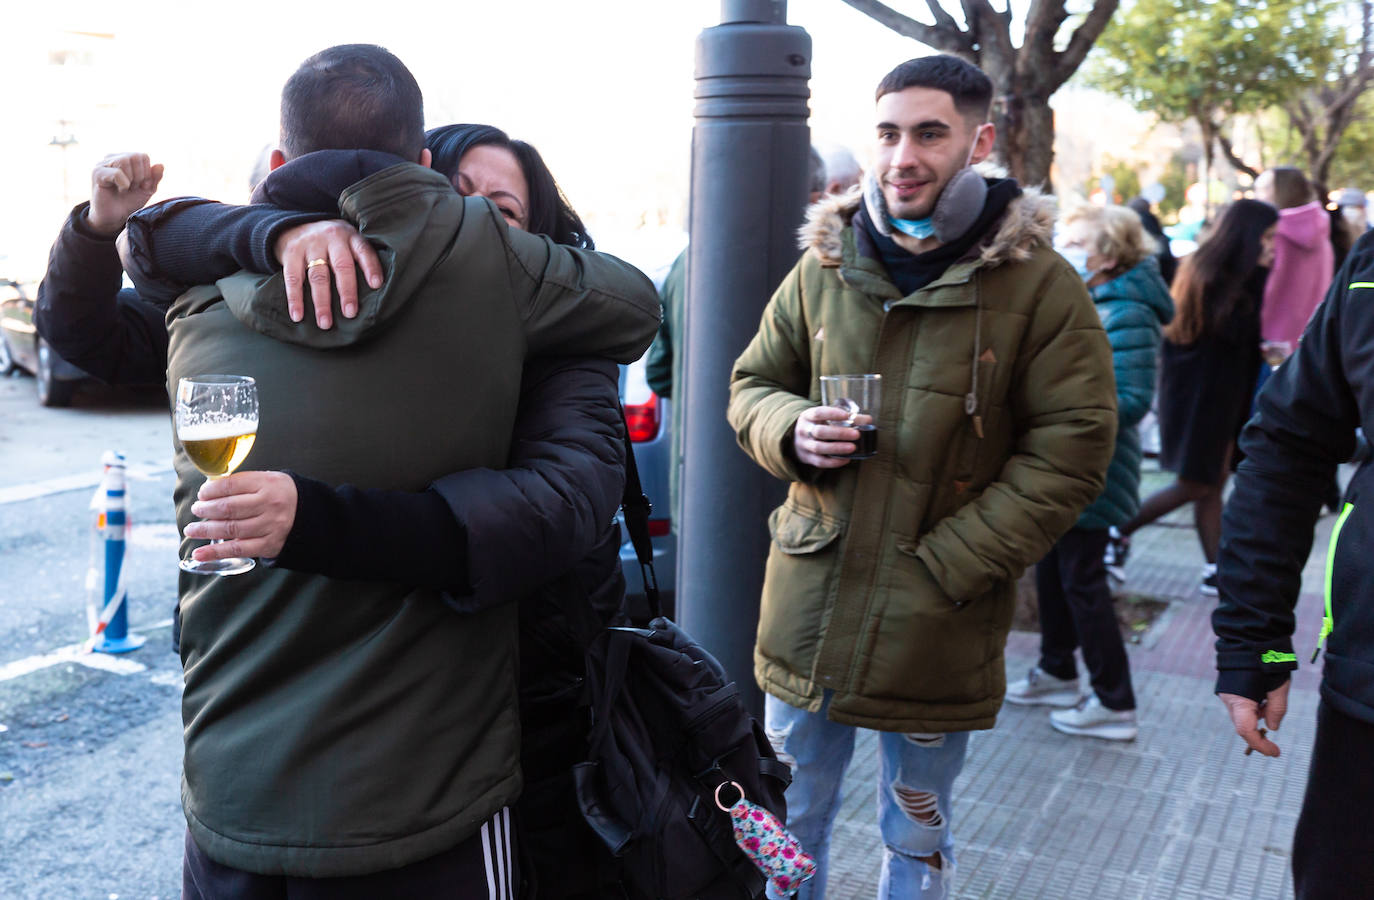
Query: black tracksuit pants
[[1333, 847], [1076, 612], [480, 868]]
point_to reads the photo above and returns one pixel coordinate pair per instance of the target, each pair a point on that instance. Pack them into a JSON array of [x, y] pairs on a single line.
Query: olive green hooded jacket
[[890, 581], [335, 727]]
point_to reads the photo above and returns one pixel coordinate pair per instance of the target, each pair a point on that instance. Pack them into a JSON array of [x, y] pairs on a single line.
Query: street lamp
[[64, 142]]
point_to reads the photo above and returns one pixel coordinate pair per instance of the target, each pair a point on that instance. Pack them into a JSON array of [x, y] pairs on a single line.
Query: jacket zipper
[[1328, 620]]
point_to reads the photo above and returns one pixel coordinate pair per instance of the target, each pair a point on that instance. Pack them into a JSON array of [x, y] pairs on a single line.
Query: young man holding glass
[[891, 580]]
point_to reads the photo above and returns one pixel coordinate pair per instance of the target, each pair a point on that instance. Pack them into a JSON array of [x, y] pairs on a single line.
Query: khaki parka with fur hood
[[891, 581]]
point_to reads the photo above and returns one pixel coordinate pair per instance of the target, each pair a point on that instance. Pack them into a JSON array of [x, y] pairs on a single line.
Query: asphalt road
[[90, 751]]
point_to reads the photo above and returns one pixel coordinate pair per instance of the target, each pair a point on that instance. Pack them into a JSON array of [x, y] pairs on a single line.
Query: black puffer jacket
[[84, 315], [1304, 427]]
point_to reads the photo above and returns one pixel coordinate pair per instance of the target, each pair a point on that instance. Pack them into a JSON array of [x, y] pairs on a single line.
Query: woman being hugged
[[1210, 356], [1110, 250]]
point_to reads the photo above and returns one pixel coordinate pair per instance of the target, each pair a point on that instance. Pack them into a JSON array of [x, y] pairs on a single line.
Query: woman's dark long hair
[[1216, 276], [549, 212]]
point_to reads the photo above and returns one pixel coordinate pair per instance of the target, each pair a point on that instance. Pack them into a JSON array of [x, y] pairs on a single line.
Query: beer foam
[[209, 431]]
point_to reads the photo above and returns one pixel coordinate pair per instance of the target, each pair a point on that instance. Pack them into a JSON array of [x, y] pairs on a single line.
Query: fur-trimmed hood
[[1027, 224]]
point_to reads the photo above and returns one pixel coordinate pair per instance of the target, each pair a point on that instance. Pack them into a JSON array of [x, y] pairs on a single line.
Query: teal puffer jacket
[[1134, 307]]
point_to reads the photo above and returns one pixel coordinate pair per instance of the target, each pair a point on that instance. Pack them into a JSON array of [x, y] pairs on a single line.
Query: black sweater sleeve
[[181, 243], [485, 536], [1303, 428], [374, 535], [112, 334]]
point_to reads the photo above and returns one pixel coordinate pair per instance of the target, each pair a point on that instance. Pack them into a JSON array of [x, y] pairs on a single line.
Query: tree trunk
[[1208, 145], [1025, 138]]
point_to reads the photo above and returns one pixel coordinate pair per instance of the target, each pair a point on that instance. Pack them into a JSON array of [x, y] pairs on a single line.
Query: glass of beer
[[217, 422], [860, 396]]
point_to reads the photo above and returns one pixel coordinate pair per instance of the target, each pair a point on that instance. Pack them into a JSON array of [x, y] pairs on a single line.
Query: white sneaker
[[1208, 587], [1091, 719], [1039, 688], [1114, 557]]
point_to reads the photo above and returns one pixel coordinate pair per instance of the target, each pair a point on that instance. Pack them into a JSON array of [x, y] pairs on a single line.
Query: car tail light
[[660, 527], [643, 419]]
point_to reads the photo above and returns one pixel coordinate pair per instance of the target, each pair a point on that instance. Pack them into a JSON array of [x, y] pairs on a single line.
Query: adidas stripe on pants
[[483, 867]]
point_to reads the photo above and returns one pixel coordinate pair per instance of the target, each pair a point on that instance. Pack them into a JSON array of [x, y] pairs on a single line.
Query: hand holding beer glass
[[845, 426], [217, 422]]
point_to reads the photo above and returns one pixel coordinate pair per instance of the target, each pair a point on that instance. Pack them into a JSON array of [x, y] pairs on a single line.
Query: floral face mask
[[766, 841]]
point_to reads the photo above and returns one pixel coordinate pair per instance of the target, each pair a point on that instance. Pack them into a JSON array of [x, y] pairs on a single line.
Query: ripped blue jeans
[[915, 781]]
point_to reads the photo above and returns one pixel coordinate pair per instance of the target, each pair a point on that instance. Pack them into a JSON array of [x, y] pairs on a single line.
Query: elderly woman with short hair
[[1109, 248]]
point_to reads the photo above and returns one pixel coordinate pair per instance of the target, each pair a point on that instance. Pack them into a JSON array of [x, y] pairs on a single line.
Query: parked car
[[22, 348], [648, 416]]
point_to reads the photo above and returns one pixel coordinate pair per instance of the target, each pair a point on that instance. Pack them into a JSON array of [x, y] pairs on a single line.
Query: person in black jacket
[[1168, 264], [82, 311], [473, 533], [1304, 427]]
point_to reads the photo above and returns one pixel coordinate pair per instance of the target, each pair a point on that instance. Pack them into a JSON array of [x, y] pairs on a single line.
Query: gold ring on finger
[[317, 261]]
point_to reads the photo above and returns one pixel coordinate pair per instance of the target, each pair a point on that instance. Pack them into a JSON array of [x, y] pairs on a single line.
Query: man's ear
[[983, 144], [426, 158], [276, 160]]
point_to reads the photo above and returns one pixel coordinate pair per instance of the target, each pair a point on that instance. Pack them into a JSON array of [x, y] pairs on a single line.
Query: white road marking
[[76, 653], [170, 679], [32, 490]]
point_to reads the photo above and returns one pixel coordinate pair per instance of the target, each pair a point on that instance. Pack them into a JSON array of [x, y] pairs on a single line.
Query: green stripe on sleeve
[[1361, 284], [1329, 620]]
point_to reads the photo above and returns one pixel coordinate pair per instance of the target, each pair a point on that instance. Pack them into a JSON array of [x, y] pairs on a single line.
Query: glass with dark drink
[[860, 396]]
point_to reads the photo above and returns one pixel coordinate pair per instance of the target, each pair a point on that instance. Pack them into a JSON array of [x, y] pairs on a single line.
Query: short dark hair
[[352, 97], [965, 82], [1291, 187], [549, 213]]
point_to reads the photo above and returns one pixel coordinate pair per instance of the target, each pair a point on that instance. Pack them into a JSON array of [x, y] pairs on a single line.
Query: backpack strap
[[636, 508], [776, 768], [616, 662]]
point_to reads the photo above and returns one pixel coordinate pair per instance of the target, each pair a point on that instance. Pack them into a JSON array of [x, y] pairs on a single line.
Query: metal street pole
[[749, 159]]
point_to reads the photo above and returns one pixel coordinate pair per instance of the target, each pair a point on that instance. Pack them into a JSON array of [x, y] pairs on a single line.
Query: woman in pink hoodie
[[1303, 258], [1304, 263]]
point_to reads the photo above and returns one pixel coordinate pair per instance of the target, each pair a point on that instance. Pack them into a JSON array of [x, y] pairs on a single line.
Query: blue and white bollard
[[112, 629]]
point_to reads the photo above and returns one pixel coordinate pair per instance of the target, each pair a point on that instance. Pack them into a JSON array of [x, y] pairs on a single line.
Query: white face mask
[[1078, 258]]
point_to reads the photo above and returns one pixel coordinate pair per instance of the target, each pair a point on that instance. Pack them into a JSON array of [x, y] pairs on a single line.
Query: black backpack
[[668, 729]]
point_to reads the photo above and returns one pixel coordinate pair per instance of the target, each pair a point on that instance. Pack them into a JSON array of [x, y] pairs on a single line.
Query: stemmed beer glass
[[217, 422]]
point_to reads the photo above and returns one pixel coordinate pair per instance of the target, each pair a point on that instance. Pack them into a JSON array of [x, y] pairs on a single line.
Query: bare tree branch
[[940, 37], [1229, 152], [990, 31], [1084, 36], [1037, 56], [1366, 33], [1043, 19], [942, 17]]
